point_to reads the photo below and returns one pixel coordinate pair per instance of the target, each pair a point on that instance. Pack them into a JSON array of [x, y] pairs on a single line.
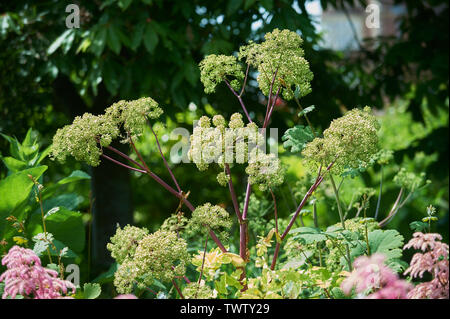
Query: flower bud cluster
[[208, 217], [350, 141], [216, 68], [86, 136], [280, 51], [160, 255]]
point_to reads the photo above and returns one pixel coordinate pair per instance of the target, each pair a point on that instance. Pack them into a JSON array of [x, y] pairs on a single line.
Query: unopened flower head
[[350, 141], [210, 217], [281, 52], [81, 139], [216, 68], [221, 144], [132, 114], [195, 290], [125, 241], [86, 136], [264, 170], [409, 180], [161, 255]]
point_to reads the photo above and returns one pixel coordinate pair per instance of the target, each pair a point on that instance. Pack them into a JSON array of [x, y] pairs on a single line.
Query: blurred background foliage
[[125, 49]]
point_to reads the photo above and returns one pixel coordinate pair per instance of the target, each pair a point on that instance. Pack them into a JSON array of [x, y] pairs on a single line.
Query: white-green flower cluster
[[280, 51], [123, 244], [210, 217], [81, 139], [161, 255], [216, 68], [264, 170], [409, 180], [195, 290], [223, 145], [176, 222], [132, 114], [84, 138], [350, 141]]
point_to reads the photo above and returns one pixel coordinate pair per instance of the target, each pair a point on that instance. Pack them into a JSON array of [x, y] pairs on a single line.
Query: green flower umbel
[[216, 68], [81, 139], [350, 141], [84, 138], [161, 255], [208, 217], [280, 51], [125, 241]]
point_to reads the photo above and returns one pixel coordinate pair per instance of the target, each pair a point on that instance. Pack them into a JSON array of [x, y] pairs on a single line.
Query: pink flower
[[370, 274], [433, 260], [26, 276], [126, 296]]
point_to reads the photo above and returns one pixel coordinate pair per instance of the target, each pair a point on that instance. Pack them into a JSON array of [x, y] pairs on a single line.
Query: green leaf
[[91, 290], [99, 41], [65, 36], [65, 225], [14, 190], [124, 4], [136, 37], [306, 110], [297, 137], [113, 40], [418, 226], [107, 276], [309, 235], [150, 38], [387, 242], [14, 165], [74, 177]]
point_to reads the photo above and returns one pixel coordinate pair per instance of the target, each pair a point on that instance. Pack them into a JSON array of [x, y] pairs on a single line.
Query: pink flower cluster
[[433, 260], [126, 296], [371, 275], [26, 276]]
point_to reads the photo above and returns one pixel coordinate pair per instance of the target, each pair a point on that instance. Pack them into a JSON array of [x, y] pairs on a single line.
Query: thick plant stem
[[341, 216], [164, 158], [311, 190], [233, 193], [379, 195]]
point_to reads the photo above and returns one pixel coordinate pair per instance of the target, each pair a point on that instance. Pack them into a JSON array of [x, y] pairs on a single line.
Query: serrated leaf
[[418, 226], [309, 235], [297, 137], [91, 290]]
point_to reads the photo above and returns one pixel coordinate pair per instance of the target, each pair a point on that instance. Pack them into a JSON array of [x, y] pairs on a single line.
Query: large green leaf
[[387, 242], [297, 137], [14, 190], [65, 225]]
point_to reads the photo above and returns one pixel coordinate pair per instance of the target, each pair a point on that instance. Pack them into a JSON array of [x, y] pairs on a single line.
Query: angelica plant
[[349, 144]]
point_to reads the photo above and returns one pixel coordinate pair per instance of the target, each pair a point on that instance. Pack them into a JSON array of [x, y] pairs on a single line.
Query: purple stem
[[125, 156], [164, 159], [240, 100], [233, 193], [123, 165], [245, 80], [297, 212], [247, 200]]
